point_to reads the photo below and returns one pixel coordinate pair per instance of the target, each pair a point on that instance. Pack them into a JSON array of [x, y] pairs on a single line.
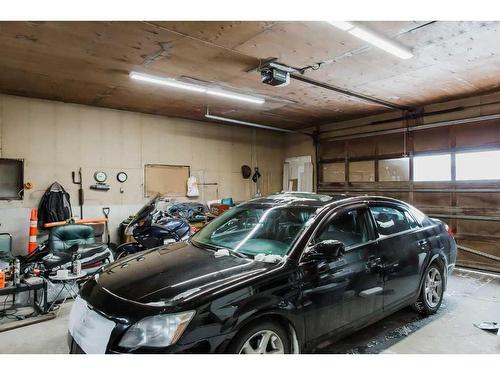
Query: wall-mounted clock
[[121, 176], [100, 176]]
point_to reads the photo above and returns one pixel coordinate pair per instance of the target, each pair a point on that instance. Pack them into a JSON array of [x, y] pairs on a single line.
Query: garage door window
[[432, 168], [394, 169], [334, 172], [362, 171], [483, 165]]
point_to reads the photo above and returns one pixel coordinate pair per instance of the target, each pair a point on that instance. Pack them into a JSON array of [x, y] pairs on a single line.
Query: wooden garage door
[[471, 208]]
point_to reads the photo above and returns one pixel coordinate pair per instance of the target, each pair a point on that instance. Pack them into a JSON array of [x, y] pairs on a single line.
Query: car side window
[[422, 220], [349, 227], [411, 220], [391, 220]]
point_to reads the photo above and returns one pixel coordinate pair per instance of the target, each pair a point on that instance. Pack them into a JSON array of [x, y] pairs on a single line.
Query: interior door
[[298, 174], [340, 293]]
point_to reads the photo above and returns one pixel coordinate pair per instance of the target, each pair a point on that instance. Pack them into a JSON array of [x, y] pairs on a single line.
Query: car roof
[[316, 200], [294, 198]]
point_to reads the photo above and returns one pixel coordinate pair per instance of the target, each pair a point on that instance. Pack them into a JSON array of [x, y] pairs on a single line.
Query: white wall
[[56, 138]]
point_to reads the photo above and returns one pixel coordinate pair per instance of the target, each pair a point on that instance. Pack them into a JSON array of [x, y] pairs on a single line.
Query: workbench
[[26, 286]]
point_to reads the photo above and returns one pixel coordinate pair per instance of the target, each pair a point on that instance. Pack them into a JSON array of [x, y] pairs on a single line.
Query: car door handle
[[423, 243], [373, 263]]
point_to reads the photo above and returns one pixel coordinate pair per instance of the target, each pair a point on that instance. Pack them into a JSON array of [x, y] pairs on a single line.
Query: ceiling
[[89, 63]]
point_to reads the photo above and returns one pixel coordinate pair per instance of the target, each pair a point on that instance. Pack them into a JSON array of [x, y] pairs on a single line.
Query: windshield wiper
[[216, 248], [234, 252]]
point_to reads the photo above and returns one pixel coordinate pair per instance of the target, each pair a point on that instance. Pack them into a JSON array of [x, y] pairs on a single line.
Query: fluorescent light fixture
[[381, 42], [342, 25], [232, 95], [166, 82], [374, 38], [170, 82]]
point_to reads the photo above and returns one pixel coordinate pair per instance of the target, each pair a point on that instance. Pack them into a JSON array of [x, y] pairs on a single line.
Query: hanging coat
[[54, 205]]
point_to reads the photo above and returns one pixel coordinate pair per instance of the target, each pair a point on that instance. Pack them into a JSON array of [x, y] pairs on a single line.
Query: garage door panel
[[478, 228], [432, 199], [477, 261], [431, 140], [478, 200], [332, 150], [478, 134]]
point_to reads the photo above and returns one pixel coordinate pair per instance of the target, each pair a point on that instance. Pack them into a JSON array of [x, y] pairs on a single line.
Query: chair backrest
[[63, 237], [5, 245]]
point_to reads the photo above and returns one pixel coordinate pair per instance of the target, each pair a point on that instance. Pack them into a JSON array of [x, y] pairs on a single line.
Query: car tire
[[431, 292], [265, 337]]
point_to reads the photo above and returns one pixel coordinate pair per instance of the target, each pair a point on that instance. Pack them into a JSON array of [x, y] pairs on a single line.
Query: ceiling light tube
[[170, 82], [381, 42], [373, 38], [232, 95], [342, 25], [166, 82]]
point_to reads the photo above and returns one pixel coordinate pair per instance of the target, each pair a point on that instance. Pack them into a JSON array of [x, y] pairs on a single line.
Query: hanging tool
[[80, 190], [256, 178], [105, 211]]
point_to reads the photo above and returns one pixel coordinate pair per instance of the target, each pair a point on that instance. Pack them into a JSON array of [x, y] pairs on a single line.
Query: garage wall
[[472, 208], [56, 138]]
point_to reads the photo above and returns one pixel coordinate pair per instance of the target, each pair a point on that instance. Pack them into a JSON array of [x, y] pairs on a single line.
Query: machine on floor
[[153, 226]]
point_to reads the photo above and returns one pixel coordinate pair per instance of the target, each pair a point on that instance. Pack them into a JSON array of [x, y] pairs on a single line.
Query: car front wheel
[[431, 293], [261, 338]]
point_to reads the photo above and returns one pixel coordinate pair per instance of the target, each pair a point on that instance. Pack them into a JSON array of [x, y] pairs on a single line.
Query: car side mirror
[[326, 250]]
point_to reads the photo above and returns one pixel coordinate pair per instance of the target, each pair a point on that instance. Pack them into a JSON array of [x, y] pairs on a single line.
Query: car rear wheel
[[261, 338], [431, 293]]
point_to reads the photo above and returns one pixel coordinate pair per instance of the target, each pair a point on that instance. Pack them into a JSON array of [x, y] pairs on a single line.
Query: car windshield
[[256, 229]]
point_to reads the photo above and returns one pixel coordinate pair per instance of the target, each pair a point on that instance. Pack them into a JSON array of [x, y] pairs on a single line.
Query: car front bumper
[[206, 346]]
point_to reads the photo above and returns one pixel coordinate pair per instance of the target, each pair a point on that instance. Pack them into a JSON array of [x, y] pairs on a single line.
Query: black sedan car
[[281, 274]]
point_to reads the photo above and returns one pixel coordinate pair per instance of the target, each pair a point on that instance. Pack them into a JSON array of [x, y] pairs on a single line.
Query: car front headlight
[[156, 331]]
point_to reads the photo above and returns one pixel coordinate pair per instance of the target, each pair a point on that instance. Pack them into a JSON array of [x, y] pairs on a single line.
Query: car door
[[403, 248], [342, 292]]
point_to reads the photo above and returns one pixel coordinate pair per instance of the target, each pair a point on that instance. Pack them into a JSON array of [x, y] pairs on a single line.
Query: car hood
[[167, 275]]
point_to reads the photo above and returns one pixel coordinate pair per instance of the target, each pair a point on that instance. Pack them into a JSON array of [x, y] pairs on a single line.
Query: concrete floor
[[470, 298]]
